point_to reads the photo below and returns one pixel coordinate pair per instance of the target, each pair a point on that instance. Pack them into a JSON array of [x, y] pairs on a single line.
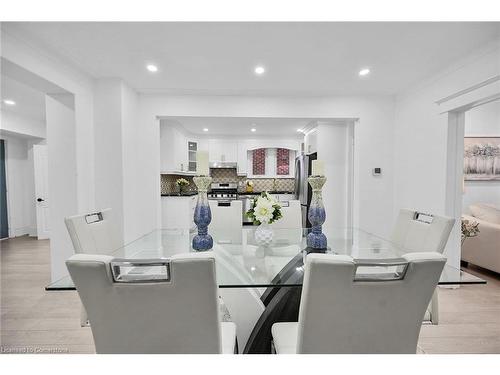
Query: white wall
[[20, 185], [118, 150], [420, 138], [373, 140], [138, 219], [482, 121], [14, 123], [108, 150]]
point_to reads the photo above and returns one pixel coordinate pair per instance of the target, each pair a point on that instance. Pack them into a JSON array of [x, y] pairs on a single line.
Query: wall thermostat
[[377, 171]]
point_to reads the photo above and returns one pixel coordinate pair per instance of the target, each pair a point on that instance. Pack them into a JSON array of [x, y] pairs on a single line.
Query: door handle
[[40, 200]]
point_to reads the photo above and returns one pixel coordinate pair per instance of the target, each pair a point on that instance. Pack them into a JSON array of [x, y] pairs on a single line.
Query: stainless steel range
[[223, 191]]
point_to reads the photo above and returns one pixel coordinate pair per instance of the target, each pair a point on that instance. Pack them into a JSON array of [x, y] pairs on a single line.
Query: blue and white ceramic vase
[[202, 215], [317, 215]]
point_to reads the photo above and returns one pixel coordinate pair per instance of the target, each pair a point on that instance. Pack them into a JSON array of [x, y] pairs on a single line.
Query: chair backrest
[[340, 313], [227, 221], [178, 315], [415, 231], [92, 233], [292, 216], [289, 227]]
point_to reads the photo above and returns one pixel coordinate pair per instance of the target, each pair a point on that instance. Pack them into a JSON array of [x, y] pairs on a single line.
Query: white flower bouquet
[[182, 182], [265, 210]]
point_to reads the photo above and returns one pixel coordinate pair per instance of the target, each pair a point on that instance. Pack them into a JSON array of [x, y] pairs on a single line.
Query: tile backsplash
[[168, 183], [223, 175]]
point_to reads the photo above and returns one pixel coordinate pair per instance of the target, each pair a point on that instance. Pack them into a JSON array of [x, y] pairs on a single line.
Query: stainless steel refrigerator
[[303, 191]]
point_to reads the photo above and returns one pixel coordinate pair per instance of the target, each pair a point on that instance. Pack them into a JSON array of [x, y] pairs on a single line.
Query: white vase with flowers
[[264, 211]]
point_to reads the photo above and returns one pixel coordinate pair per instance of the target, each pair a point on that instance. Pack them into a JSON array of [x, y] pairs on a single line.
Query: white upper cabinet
[[242, 158], [222, 150], [311, 142], [174, 146], [178, 151]]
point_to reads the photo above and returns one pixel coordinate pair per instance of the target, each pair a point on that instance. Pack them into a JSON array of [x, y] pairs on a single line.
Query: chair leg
[[435, 308], [84, 320]]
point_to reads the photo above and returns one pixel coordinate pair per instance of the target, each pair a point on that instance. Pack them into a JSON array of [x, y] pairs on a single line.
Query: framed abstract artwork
[[482, 158]]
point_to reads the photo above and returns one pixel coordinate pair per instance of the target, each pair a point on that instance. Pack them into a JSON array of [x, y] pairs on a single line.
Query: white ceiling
[[301, 58], [29, 102], [240, 126]]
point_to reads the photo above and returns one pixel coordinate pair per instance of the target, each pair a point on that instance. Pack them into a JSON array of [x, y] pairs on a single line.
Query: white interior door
[[41, 191]]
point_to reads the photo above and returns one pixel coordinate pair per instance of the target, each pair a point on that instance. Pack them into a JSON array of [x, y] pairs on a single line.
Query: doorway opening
[[23, 129], [473, 131], [4, 218], [481, 186], [267, 154]]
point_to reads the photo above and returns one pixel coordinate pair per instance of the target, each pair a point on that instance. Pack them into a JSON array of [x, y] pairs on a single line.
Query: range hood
[[223, 164]]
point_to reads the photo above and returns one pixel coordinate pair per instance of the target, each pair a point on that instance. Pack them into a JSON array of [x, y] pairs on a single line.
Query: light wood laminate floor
[[33, 320]]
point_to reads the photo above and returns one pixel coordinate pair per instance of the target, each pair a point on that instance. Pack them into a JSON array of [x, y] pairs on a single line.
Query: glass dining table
[[273, 272], [259, 264]]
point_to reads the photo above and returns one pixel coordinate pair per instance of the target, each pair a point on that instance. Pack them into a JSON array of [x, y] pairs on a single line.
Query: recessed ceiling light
[[364, 72], [9, 102], [152, 68], [259, 70], [253, 130], [299, 130], [205, 129]]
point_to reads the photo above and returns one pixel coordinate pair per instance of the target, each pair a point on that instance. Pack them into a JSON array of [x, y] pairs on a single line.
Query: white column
[[63, 198], [334, 145]]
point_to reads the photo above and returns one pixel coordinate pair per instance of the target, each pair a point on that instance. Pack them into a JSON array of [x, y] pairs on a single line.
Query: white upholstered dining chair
[[93, 233], [292, 215], [226, 224], [343, 312], [289, 227], [175, 311], [415, 231]]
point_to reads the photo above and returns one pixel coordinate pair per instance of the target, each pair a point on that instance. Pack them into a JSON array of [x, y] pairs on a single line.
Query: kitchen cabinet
[[242, 158], [222, 150], [177, 151], [173, 150], [283, 197], [311, 142], [286, 197], [177, 212]]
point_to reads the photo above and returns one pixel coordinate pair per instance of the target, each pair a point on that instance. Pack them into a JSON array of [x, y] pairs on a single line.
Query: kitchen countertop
[[187, 194], [270, 192], [191, 193]]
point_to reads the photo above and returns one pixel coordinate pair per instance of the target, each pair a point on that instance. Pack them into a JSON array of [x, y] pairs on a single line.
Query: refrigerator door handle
[[297, 178]]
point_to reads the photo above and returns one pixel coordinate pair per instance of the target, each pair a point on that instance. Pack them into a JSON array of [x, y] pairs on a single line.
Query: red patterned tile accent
[[259, 161], [283, 161]]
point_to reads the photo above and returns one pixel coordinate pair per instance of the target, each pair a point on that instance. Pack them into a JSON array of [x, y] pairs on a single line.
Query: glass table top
[[242, 263]]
